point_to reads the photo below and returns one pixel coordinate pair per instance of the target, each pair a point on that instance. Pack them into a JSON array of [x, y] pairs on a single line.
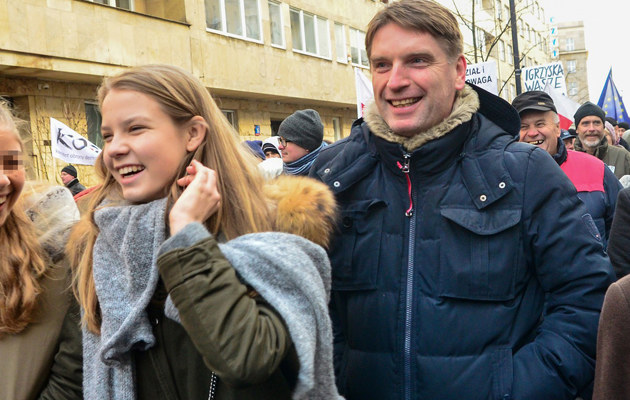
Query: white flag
[[71, 147], [364, 91]]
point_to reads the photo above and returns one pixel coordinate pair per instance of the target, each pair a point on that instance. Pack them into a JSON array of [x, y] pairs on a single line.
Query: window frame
[[282, 36], [223, 31], [316, 18], [341, 59], [94, 137], [569, 44], [112, 3], [571, 66], [231, 117], [362, 44]]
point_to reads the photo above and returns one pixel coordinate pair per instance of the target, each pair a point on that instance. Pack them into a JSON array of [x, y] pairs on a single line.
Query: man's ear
[[460, 68], [196, 131]]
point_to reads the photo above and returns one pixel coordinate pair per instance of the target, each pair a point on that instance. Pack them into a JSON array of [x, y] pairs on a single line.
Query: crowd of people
[[453, 246]]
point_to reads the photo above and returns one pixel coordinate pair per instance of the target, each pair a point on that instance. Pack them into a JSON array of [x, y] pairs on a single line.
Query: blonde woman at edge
[[34, 277]]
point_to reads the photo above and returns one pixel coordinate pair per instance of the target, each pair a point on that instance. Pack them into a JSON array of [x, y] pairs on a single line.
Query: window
[[336, 128], [497, 6], [510, 54], [240, 18], [573, 88], [501, 50], [126, 4], [93, 117], [230, 115], [570, 44], [275, 20], [530, 62], [310, 33], [340, 43], [571, 66], [512, 92], [357, 48], [481, 41]]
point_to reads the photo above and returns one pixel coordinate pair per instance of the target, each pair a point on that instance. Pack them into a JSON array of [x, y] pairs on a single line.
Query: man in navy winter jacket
[[464, 266], [596, 185]]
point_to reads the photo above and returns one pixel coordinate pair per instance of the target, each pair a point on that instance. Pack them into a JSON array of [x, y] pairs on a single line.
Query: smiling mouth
[[130, 170], [3, 200], [405, 102], [536, 142]]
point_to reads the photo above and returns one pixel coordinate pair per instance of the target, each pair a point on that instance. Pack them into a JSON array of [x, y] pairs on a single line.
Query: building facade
[[573, 55], [261, 60]]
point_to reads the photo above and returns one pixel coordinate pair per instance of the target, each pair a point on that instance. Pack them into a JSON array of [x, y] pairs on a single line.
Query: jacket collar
[[561, 156], [466, 104]]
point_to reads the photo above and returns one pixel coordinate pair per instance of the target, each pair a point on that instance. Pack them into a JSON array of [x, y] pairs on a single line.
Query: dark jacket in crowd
[[619, 244], [617, 158], [613, 344], [448, 257], [75, 186], [596, 184]]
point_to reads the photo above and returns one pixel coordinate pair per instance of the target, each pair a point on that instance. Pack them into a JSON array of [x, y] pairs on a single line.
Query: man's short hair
[[425, 16]]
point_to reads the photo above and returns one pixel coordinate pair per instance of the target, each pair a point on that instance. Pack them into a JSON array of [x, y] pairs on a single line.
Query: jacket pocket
[[356, 250], [480, 253]]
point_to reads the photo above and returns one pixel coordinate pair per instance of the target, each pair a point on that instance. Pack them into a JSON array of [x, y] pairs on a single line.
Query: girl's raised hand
[[200, 200]]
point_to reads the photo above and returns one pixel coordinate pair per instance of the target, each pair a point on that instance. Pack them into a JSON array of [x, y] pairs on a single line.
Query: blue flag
[[610, 101]]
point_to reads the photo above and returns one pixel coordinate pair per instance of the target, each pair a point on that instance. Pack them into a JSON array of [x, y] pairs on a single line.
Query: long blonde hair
[[23, 262], [182, 97]]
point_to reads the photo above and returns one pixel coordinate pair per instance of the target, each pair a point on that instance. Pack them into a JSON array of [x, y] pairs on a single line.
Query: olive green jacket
[[616, 158]]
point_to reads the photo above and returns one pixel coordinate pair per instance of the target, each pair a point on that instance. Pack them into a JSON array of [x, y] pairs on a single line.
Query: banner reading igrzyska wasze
[[71, 147], [535, 78]]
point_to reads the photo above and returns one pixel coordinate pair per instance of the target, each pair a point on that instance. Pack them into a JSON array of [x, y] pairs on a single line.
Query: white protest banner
[[483, 75], [70, 146], [365, 94], [535, 78]]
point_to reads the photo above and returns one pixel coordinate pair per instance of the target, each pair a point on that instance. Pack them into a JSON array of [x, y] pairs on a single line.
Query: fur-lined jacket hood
[[302, 206], [466, 104]]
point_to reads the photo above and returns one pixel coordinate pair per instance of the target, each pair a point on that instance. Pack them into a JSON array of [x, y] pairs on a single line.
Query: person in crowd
[[255, 147], [270, 147], [567, 138], [619, 131], [589, 122], [613, 337], [624, 130], [464, 266], [70, 180], [34, 277], [619, 244], [180, 296], [596, 185], [301, 137]]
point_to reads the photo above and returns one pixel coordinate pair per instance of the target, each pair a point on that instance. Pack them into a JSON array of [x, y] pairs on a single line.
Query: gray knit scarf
[[126, 276]]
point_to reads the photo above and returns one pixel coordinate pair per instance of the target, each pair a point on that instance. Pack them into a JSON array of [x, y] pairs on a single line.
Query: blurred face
[[271, 154], [568, 143], [538, 128], [66, 177], [11, 173], [143, 147], [590, 130], [291, 151], [413, 79]]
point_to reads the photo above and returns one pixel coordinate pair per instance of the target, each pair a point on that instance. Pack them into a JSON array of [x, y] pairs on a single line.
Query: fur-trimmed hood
[[466, 104], [302, 206]]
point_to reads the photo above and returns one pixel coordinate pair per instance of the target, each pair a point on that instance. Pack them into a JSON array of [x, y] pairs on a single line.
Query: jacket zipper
[[405, 169], [410, 273], [213, 386]]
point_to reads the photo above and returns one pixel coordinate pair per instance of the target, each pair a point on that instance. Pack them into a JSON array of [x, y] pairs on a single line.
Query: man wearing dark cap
[[301, 137], [589, 123], [596, 185], [70, 180]]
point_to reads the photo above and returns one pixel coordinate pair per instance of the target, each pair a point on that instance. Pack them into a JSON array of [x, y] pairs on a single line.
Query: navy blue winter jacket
[[446, 301]]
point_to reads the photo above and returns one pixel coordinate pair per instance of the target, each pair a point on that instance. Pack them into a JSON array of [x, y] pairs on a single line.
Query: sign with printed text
[[536, 78], [483, 75], [70, 146]]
